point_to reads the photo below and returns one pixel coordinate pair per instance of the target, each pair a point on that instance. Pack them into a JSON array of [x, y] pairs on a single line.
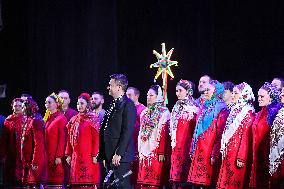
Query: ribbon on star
[[164, 64]]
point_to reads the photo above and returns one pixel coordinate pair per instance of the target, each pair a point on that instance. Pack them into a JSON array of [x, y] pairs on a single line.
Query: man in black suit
[[116, 144]]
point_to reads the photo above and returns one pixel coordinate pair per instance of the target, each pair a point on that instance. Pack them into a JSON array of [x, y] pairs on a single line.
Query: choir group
[[215, 141]]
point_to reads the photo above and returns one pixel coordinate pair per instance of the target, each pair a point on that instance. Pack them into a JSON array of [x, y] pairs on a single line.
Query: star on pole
[[164, 64]]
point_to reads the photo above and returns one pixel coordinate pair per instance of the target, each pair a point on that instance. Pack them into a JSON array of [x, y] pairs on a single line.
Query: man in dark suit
[[116, 144]]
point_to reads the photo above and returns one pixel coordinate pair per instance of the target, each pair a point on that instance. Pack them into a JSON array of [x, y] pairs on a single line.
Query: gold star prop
[[164, 64]]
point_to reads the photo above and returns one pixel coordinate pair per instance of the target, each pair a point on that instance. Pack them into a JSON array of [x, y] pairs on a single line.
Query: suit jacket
[[117, 131]]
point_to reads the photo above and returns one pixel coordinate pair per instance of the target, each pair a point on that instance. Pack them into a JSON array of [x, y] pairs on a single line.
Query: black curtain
[[53, 45], [75, 45]]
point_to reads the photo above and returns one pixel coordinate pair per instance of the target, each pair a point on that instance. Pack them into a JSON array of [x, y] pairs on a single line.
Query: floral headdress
[[186, 85]]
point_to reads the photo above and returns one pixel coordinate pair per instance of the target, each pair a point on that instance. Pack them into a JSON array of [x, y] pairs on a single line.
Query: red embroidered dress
[[153, 141], [182, 126], [55, 139], [211, 121], [82, 146], [235, 140], [14, 164], [33, 151]]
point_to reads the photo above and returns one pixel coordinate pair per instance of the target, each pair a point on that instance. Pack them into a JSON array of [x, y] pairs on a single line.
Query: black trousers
[[119, 171]]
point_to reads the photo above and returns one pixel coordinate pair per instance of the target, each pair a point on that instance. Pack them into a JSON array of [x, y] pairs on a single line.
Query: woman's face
[[236, 95], [81, 105], [151, 97], [181, 92], [17, 107], [263, 98], [50, 104], [282, 95], [209, 91]]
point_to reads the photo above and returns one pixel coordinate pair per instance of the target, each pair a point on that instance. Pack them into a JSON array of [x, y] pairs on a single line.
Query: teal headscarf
[[211, 109]]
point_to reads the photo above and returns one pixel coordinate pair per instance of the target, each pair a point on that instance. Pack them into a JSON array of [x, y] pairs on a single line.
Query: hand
[[213, 160], [104, 163], [162, 158], [68, 160], [116, 160], [34, 167], [240, 164], [95, 160], [57, 161]]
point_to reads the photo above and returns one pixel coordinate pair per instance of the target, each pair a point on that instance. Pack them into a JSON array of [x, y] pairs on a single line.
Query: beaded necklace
[[150, 120]]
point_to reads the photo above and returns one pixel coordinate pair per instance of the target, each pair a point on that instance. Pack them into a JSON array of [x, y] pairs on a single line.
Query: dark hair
[[121, 80], [136, 91], [281, 80], [16, 100], [64, 91], [99, 93], [26, 95], [155, 88], [31, 107], [228, 85], [187, 85]]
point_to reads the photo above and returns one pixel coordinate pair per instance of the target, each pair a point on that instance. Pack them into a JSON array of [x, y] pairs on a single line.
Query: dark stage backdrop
[[75, 45]]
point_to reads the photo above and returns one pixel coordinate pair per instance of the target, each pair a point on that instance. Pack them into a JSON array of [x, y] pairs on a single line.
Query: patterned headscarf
[[211, 109], [247, 96], [238, 112], [275, 105]]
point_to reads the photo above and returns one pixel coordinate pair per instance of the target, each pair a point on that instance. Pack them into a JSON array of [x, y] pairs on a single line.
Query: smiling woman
[[83, 146]]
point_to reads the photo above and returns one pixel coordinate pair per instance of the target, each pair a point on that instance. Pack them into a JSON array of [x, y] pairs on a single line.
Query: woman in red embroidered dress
[[182, 126], [235, 138], [83, 146], [55, 139], [33, 146], [276, 155], [153, 141], [13, 125], [268, 99], [205, 147]]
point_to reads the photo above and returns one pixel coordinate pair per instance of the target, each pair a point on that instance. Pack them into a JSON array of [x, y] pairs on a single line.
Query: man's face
[[204, 80], [96, 101], [113, 88], [131, 94], [277, 83], [65, 97]]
